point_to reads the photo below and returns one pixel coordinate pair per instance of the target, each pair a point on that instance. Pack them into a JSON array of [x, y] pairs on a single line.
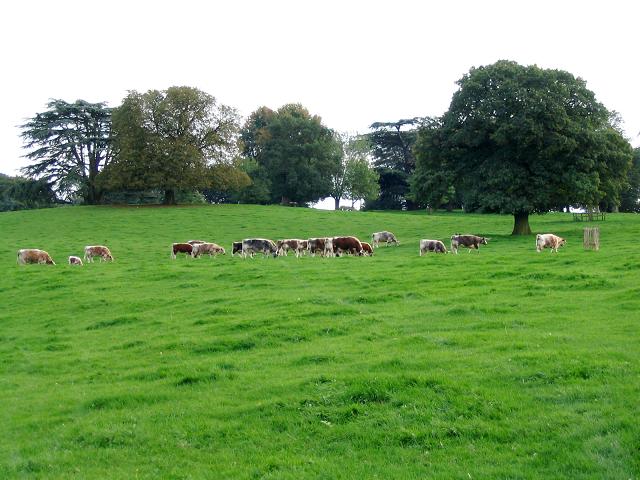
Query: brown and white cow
[[347, 244], [317, 245], [34, 255], [258, 245], [367, 249], [236, 247], [549, 240], [295, 244], [385, 236], [185, 248], [468, 241], [206, 248], [101, 251], [73, 260], [435, 246]]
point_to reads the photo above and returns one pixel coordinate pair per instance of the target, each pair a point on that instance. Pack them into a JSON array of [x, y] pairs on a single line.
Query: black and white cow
[[258, 245]]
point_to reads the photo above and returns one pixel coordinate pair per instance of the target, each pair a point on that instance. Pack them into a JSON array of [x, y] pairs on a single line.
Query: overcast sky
[[351, 62]]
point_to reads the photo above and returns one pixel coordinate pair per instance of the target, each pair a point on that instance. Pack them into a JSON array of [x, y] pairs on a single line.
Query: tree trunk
[[521, 224], [336, 200], [169, 197]]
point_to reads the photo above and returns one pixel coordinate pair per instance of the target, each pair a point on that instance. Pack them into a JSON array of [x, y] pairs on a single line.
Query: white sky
[[351, 62]]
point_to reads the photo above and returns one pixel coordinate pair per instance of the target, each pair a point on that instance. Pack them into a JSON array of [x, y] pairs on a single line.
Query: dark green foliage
[[296, 152], [394, 160], [521, 140], [18, 193], [630, 197], [71, 144], [177, 139]]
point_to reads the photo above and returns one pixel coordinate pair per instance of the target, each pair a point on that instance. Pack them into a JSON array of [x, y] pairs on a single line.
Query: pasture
[[503, 364]]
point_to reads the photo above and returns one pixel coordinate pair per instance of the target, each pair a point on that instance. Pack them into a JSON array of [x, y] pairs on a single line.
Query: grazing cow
[[73, 260], [186, 248], [294, 244], [258, 245], [435, 246], [347, 244], [366, 249], [101, 251], [549, 240], [468, 241], [33, 255], [236, 247], [317, 245], [385, 236], [207, 248]]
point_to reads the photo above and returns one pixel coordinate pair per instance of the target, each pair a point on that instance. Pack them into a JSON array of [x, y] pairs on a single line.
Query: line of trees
[[515, 139]]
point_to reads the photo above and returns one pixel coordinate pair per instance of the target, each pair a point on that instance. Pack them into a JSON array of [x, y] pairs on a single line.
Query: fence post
[[591, 239]]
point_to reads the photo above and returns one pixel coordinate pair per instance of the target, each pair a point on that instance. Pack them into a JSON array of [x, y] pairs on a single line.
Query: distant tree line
[[515, 139]]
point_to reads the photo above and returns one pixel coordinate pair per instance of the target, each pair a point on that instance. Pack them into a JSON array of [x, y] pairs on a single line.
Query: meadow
[[505, 363]]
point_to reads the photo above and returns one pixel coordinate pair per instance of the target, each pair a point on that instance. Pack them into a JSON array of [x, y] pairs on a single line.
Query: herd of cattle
[[324, 246]]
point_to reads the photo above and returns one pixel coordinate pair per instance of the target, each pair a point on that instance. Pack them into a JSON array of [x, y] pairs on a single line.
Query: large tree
[[522, 139], [354, 178], [70, 144], [295, 151], [393, 158], [172, 140]]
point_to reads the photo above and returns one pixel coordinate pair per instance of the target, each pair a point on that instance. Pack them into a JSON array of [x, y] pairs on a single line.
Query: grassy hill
[[502, 364]]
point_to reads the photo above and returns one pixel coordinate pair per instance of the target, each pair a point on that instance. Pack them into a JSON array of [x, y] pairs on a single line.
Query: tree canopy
[[393, 158], [296, 152], [70, 144], [171, 140], [521, 140]]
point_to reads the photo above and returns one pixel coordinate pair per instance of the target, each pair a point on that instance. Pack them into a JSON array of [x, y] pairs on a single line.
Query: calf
[[207, 248], [347, 244], [435, 246], [33, 255], [290, 244], [186, 248], [549, 240], [258, 245], [468, 241], [73, 260], [236, 247], [366, 249], [101, 251], [385, 236]]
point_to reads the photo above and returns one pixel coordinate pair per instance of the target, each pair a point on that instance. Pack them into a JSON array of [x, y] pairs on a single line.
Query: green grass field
[[502, 364]]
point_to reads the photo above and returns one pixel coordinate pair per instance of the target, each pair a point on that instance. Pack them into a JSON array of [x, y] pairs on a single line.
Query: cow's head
[[562, 242], [107, 256], [485, 240]]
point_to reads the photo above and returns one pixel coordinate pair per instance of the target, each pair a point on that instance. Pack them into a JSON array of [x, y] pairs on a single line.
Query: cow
[[236, 247], [385, 236], [347, 244], [549, 240], [468, 241], [207, 248], [101, 251], [34, 255], [186, 248], [435, 246], [366, 249], [294, 244], [73, 260], [258, 245], [317, 245]]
